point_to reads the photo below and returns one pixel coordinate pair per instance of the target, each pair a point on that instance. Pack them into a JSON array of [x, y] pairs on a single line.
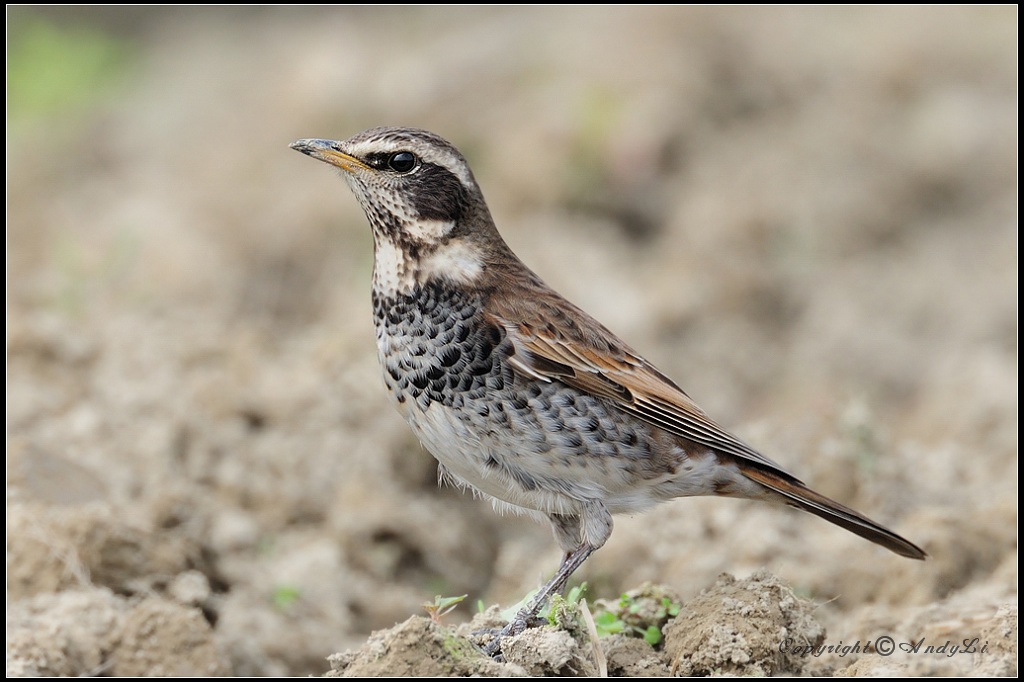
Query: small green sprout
[[559, 607], [576, 594], [641, 614], [608, 624], [441, 606], [652, 635], [284, 596]]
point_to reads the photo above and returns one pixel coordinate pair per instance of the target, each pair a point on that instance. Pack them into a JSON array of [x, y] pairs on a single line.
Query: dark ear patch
[[439, 194]]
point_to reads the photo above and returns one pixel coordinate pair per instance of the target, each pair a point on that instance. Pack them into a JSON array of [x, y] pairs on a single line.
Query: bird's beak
[[328, 152]]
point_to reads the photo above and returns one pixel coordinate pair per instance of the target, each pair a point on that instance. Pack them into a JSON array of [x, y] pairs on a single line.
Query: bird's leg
[[517, 625]]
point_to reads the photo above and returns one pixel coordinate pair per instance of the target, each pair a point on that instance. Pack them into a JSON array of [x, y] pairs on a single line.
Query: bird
[[520, 395]]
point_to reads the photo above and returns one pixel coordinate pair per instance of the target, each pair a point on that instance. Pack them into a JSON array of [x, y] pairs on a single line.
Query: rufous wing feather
[[581, 353]]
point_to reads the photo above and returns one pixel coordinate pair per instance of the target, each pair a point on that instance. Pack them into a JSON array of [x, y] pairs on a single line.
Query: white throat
[[396, 272]]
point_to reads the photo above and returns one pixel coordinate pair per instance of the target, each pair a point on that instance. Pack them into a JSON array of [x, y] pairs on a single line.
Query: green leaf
[[652, 635], [608, 624], [576, 593], [445, 602], [285, 595]]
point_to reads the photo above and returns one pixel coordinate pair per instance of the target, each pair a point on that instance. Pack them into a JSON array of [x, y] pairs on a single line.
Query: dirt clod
[[418, 648], [742, 627]]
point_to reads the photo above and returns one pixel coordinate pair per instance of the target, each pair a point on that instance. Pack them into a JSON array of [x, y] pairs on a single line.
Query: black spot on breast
[[449, 355], [439, 349], [518, 403]]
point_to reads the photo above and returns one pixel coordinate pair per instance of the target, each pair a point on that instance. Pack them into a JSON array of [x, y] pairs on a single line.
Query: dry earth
[[807, 217]]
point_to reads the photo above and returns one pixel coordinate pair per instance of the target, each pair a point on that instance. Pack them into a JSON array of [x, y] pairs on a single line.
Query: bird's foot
[[526, 618]]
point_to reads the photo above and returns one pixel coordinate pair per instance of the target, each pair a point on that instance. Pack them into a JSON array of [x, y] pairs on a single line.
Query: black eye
[[402, 162]]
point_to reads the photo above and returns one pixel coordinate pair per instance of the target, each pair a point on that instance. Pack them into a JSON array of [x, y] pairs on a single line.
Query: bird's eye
[[402, 162]]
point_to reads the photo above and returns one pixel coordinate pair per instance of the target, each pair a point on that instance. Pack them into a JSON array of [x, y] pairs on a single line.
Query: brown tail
[[799, 495]]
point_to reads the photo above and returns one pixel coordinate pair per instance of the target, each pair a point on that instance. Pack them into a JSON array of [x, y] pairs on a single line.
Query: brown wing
[[555, 340]]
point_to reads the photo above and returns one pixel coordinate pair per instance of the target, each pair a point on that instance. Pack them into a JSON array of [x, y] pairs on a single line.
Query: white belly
[[464, 452]]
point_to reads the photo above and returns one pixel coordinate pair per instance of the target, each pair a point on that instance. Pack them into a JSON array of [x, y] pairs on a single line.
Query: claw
[[516, 626], [528, 613]]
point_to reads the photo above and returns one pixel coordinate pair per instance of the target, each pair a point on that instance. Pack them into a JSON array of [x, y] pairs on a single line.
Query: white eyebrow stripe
[[433, 155]]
